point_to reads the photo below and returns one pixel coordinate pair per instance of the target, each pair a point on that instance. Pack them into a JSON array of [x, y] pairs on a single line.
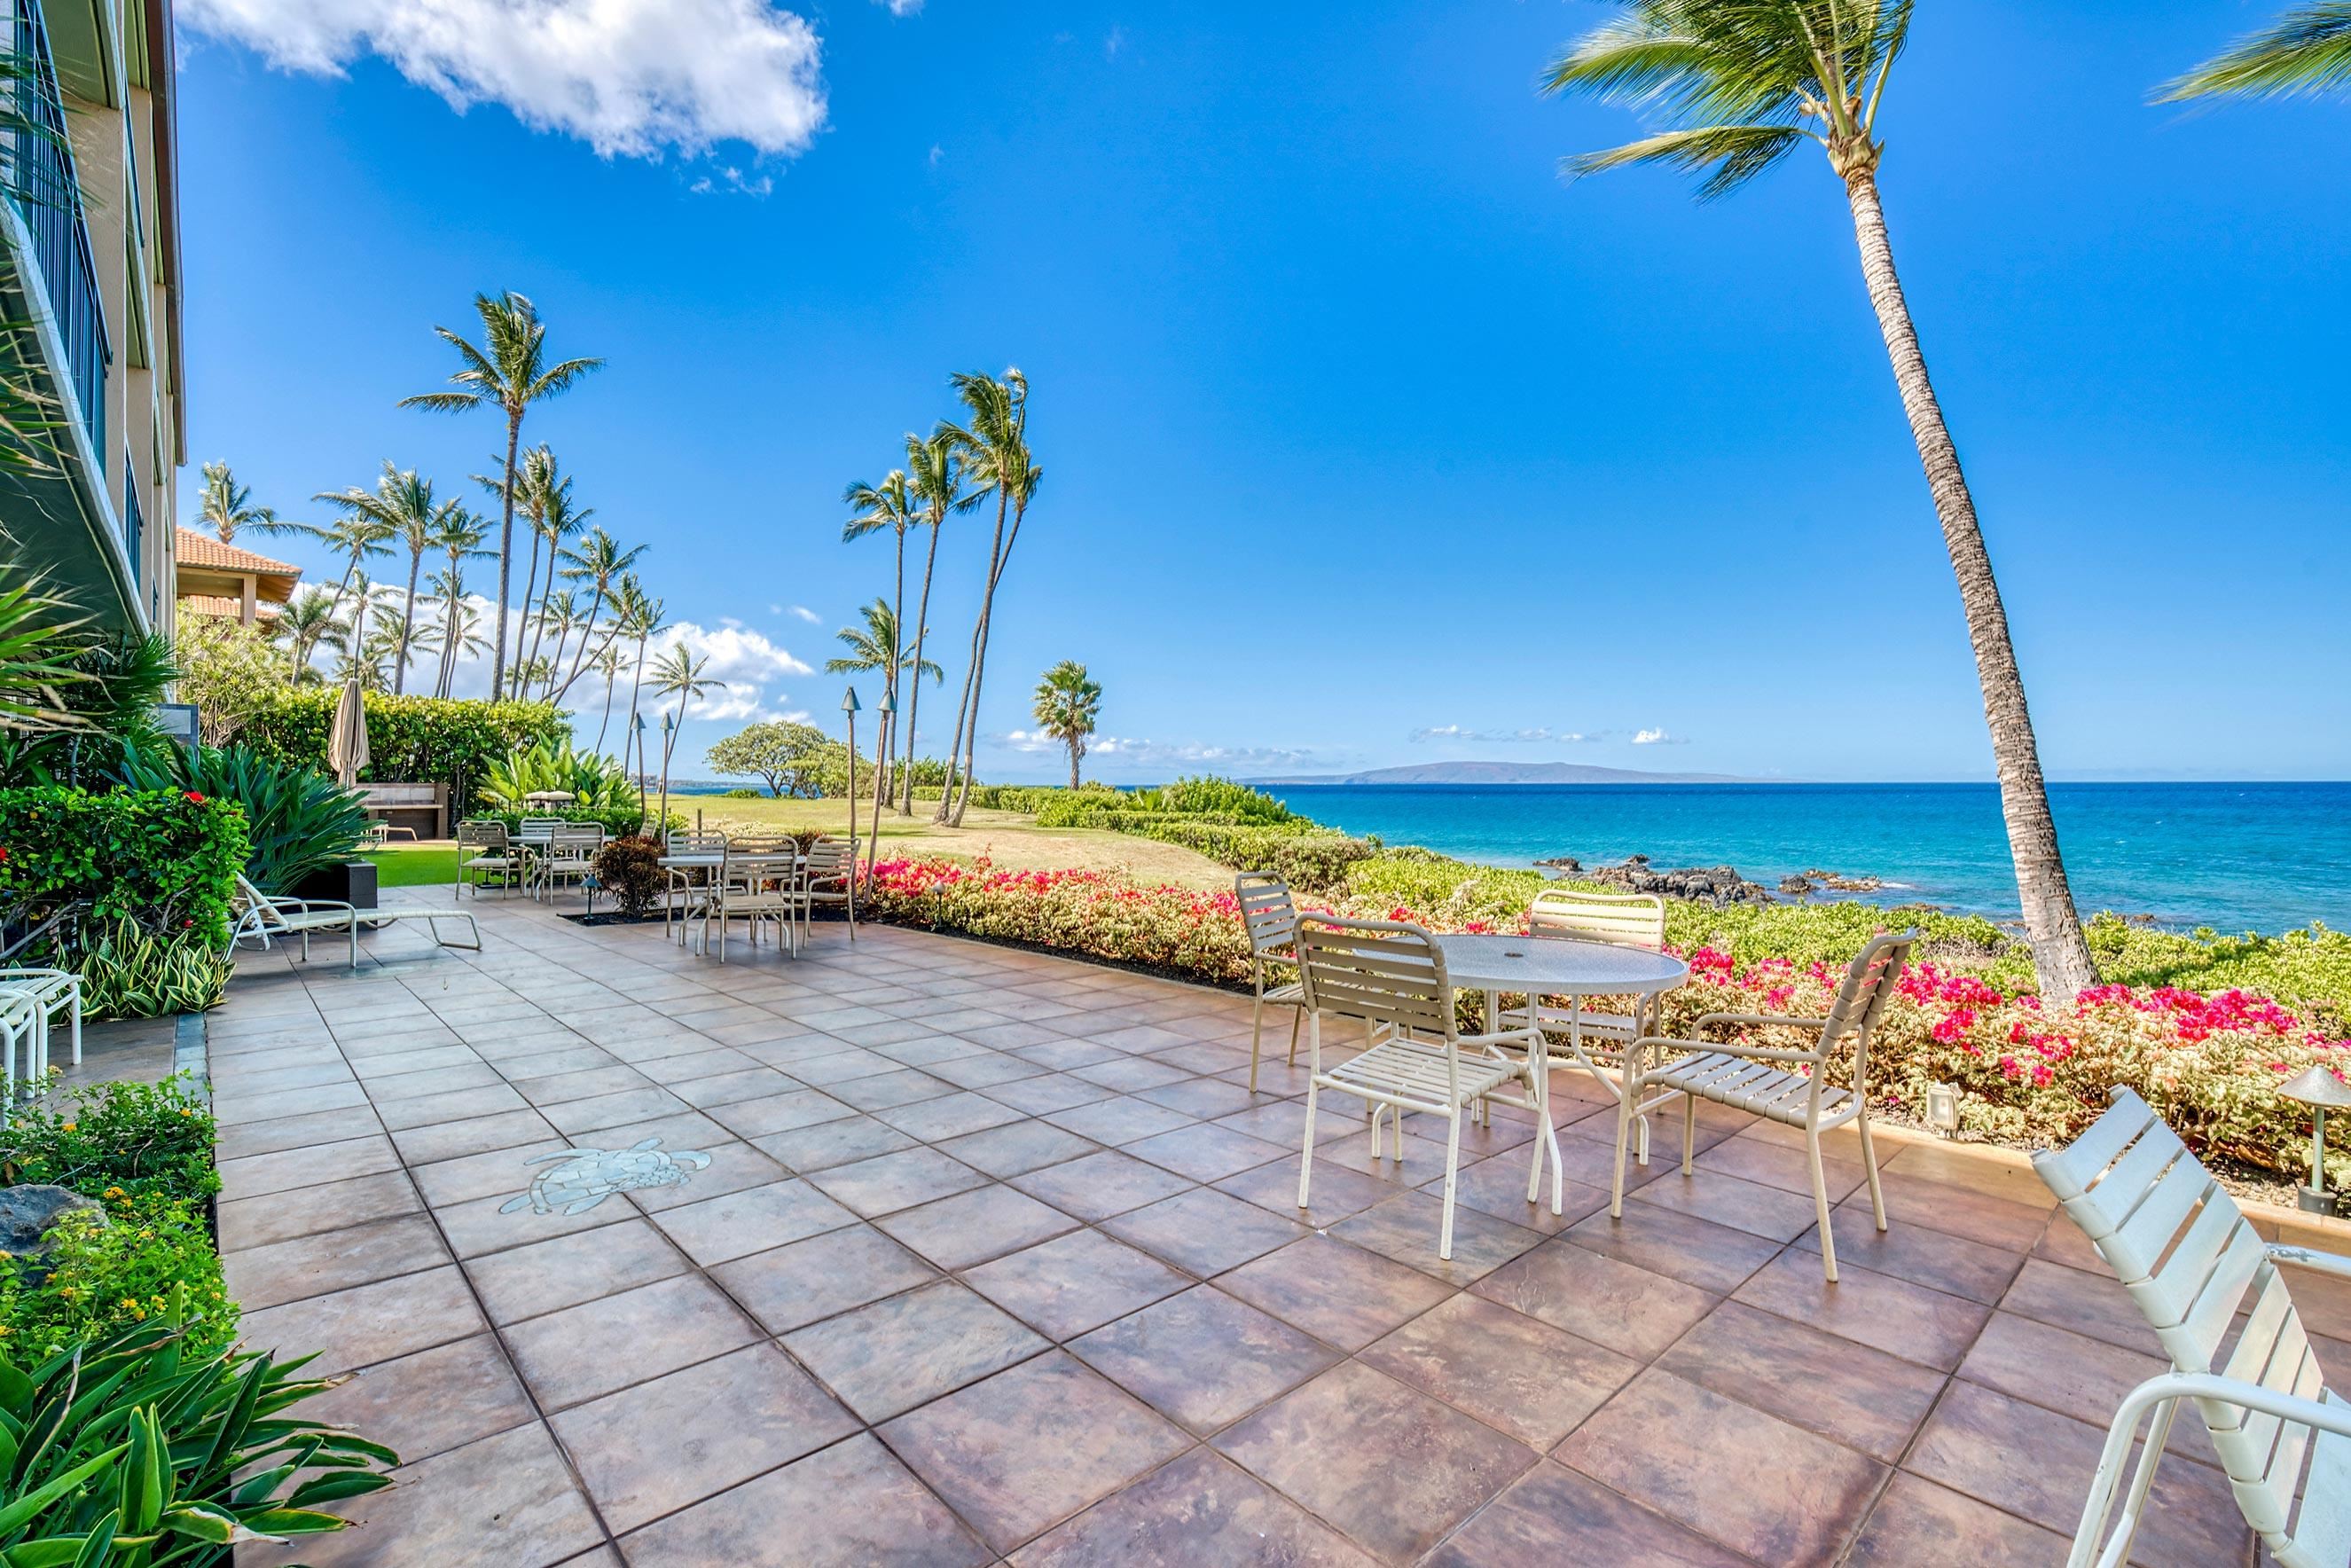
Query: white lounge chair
[[59, 991], [2192, 1261], [1789, 1087], [1270, 918], [265, 916], [24, 1025]]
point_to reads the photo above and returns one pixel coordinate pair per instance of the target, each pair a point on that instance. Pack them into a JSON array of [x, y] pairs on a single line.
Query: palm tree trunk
[[2061, 954], [611, 679], [545, 593], [951, 802], [595, 608], [914, 698], [955, 743], [506, 555], [1000, 558], [1076, 755], [530, 586], [407, 621], [636, 686]]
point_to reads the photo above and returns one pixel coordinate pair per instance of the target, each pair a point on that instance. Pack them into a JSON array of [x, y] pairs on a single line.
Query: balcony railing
[[134, 519], [37, 168]]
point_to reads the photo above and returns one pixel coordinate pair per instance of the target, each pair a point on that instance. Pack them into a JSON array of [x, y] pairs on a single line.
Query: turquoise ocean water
[[2238, 857]]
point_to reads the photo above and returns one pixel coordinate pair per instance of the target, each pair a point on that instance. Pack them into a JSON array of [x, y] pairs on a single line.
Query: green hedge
[[164, 859], [412, 740]]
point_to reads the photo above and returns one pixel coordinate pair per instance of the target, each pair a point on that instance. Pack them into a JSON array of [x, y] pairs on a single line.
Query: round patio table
[[1556, 966]]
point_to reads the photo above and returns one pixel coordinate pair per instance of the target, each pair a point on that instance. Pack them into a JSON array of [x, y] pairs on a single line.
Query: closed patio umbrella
[[347, 746]]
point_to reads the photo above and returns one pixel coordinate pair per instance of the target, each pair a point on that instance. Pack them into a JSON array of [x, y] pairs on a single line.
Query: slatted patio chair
[[756, 886], [684, 883], [485, 852], [59, 994], [2193, 1262], [260, 916], [1791, 1087], [833, 877], [24, 1029], [1597, 1039], [1270, 918], [569, 855], [1390, 976]]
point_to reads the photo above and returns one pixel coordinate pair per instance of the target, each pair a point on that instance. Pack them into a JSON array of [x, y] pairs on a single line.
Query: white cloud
[[1658, 737], [1541, 735], [937, 153], [1111, 46], [631, 77], [901, 7], [746, 660], [805, 613], [1136, 752]]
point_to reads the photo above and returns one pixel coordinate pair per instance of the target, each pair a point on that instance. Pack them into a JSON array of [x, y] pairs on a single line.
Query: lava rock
[[28, 1212]]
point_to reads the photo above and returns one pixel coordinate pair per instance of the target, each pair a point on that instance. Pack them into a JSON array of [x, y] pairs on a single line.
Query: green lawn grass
[[413, 867]]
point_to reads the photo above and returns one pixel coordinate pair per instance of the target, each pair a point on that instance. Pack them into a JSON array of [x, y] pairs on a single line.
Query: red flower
[[194, 799]]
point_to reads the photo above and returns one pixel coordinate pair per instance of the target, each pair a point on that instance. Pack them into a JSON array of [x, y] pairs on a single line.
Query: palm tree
[[557, 518], [307, 623], [600, 560], [1744, 83], [558, 612], [1066, 706], [359, 534], [402, 504], [995, 445], [458, 533], [2307, 50], [879, 506], [935, 471], [607, 663], [877, 647], [640, 616], [229, 505], [510, 373], [680, 673], [459, 632]]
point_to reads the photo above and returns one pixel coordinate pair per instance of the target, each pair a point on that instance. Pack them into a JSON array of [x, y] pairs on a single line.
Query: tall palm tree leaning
[[2306, 50], [1743, 83], [879, 647], [889, 505], [995, 443], [599, 561], [509, 372], [1066, 706], [935, 473], [679, 674], [229, 505], [459, 534], [359, 536]]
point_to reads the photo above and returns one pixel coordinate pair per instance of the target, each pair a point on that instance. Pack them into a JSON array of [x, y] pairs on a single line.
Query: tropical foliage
[[1066, 706], [298, 820], [165, 859], [599, 790], [796, 761], [230, 671], [630, 869], [131, 972], [148, 1140], [2305, 50], [417, 739]]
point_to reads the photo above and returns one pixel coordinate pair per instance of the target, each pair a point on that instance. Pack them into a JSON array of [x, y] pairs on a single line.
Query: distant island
[[1502, 773]]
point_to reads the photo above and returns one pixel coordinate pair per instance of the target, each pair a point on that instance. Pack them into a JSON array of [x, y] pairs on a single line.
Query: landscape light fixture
[[880, 747], [848, 705], [2318, 1088], [1943, 1108]]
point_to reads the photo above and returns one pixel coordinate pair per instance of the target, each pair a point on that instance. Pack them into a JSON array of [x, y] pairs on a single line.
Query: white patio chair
[[2192, 1261], [833, 877], [1270, 918], [1789, 1087], [1391, 977], [569, 855], [683, 882], [1595, 1039], [754, 887], [58, 992], [485, 852], [24, 1026], [264, 916]]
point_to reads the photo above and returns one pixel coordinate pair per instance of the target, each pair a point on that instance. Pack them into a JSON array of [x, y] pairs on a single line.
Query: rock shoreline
[[1718, 886]]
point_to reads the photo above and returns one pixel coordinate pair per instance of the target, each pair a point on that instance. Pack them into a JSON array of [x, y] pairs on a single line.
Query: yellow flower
[[70, 1125], [115, 1192]]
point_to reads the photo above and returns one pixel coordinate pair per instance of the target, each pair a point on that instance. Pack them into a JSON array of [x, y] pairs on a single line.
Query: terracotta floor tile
[[852, 1505], [1782, 1166], [1875, 1310], [1205, 1097], [1340, 1294], [984, 1069], [430, 1402], [1204, 1152], [1125, 1120], [368, 1324], [1332, 1446], [1407, 1227], [1203, 1231], [1282, 1123], [1728, 1200], [1628, 1310], [484, 1225], [1695, 1251], [973, 1226], [306, 1211], [733, 1168], [716, 1229], [450, 1140], [1128, 1073], [579, 1119], [1848, 1393], [1021, 1451], [314, 1165], [1918, 1525], [794, 1286], [1080, 1281], [1935, 1258], [894, 1354], [2072, 1299], [1524, 1377], [2058, 1369], [828, 1143], [841, 1066], [903, 1086], [456, 1105], [1063, 1054], [1049, 1091], [1202, 1357], [1995, 1221], [1498, 1185], [1098, 1186], [2002, 1173], [1018, 1148], [254, 1138], [654, 1448], [584, 1084], [1673, 1447], [1202, 1509], [891, 1182], [593, 1349], [548, 1276], [502, 1172], [2036, 1463], [1337, 1192], [750, 1082], [1552, 1517], [949, 1116]]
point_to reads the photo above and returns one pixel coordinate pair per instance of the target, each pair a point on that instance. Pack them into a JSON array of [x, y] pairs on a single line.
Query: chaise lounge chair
[[265, 916]]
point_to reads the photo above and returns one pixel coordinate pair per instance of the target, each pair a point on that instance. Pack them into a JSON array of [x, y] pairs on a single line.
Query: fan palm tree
[[599, 561], [935, 473], [679, 674], [229, 505], [995, 443], [2306, 50], [1741, 84], [509, 372], [1066, 705]]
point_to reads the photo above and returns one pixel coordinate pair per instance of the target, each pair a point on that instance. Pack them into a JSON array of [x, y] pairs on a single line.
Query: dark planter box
[[351, 882]]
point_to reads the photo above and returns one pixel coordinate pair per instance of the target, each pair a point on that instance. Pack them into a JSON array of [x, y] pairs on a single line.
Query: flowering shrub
[[145, 1139], [165, 858], [2209, 1062], [96, 1279]]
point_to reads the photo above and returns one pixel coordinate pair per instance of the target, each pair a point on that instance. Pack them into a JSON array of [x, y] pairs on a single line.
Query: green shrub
[[101, 1276], [631, 870], [599, 788], [297, 819], [153, 1450], [1211, 796], [742, 795], [149, 1140], [130, 973], [165, 859], [417, 740]]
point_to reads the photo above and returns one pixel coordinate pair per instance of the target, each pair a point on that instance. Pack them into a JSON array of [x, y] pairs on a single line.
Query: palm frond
[[2306, 51], [445, 401], [1728, 155]]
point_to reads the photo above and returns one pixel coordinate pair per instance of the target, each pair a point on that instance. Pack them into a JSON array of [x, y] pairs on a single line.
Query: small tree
[[791, 757], [230, 672], [1067, 704]]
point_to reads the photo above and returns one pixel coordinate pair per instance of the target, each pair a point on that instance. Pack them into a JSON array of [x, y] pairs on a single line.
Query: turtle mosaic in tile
[[586, 1177]]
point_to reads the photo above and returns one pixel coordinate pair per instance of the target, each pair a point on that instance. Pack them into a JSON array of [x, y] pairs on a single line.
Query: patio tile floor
[[950, 1254]]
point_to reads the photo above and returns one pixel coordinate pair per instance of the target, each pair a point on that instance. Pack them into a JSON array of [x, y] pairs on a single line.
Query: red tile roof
[[204, 551]]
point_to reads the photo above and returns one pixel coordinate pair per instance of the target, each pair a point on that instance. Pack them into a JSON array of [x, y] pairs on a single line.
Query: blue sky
[[1366, 438]]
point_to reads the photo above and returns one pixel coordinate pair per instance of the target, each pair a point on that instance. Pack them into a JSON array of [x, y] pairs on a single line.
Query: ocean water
[[2237, 857]]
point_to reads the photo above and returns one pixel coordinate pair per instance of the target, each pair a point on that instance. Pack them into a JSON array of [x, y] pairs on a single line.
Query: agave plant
[[133, 1453], [299, 820]]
